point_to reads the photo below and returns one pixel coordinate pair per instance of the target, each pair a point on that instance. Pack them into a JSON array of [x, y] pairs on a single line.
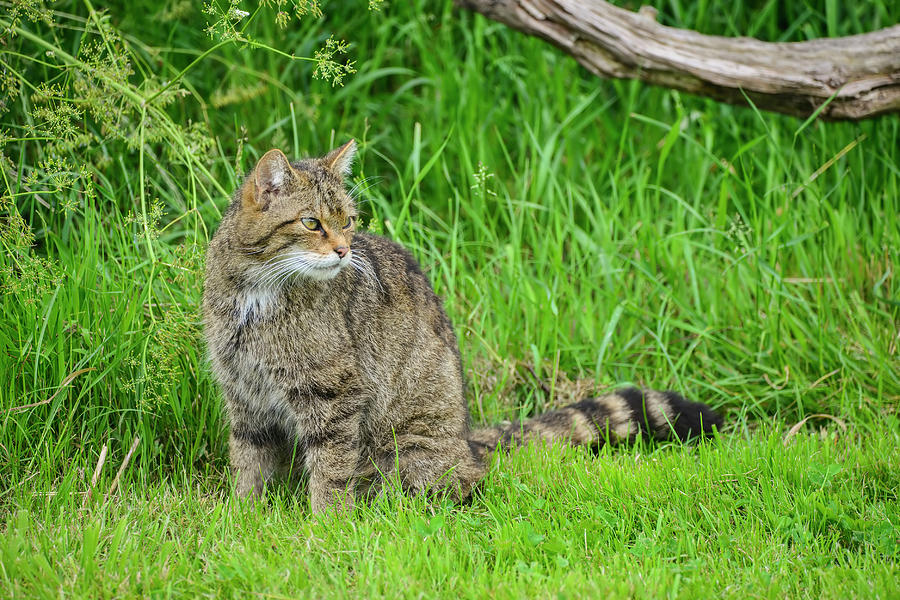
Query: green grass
[[744, 517], [585, 234]]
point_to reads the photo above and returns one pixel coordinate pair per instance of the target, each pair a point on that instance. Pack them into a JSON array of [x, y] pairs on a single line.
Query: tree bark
[[854, 77]]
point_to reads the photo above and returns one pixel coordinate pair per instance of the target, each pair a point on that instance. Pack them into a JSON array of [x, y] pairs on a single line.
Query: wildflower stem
[[143, 193], [184, 71], [254, 44]]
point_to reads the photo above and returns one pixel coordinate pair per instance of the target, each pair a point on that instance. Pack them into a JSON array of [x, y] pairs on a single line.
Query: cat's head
[[297, 219]]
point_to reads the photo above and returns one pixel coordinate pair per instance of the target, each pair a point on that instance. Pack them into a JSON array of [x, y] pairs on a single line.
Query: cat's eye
[[348, 223], [310, 223]]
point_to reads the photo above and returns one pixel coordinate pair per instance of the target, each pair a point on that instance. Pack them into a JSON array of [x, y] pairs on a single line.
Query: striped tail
[[616, 417]]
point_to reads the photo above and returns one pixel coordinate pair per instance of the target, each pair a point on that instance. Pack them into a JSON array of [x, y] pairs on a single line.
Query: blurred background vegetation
[[584, 232]]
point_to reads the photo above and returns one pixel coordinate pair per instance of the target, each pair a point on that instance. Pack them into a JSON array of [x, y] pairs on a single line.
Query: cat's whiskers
[[361, 269], [280, 270], [279, 276], [357, 189], [278, 258], [274, 268], [360, 262], [277, 261], [297, 270], [273, 277]]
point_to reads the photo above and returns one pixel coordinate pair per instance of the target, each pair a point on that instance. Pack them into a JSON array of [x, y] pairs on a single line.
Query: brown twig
[[65, 382], [100, 462], [793, 431], [540, 382], [787, 376], [823, 378], [828, 164], [122, 468]]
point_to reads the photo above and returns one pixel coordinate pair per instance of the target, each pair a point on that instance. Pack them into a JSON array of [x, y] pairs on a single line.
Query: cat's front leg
[[257, 446], [332, 455], [253, 461]]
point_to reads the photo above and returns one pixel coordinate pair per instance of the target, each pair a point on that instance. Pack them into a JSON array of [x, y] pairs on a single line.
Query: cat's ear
[[272, 175], [340, 159], [273, 172]]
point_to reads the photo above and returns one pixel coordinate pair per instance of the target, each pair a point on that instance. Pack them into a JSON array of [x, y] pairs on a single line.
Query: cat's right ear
[[272, 175]]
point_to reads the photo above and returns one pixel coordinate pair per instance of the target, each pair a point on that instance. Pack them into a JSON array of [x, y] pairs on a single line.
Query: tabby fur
[[336, 357]]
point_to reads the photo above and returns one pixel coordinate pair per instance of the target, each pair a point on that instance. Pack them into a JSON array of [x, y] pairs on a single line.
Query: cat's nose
[[342, 251]]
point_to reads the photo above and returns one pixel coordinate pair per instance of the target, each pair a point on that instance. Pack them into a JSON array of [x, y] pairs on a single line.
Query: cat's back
[[388, 296], [391, 272]]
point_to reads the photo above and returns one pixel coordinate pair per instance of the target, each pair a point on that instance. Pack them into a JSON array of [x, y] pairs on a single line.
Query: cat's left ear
[[340, 160], [272, 176]]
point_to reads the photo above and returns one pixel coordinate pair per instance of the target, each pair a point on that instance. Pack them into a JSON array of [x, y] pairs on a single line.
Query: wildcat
[[333, 351]]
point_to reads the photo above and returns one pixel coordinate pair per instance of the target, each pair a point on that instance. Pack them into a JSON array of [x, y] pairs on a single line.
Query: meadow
[[584, 233]]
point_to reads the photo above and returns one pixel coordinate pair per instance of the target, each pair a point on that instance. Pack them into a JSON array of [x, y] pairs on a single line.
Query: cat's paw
[[249, 487], [336, 500]]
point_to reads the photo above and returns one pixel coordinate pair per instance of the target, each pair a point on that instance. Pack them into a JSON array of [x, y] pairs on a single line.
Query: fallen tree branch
[[854, 77]]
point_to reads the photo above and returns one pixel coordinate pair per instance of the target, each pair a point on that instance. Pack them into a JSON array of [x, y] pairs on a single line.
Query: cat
[[332, 350]]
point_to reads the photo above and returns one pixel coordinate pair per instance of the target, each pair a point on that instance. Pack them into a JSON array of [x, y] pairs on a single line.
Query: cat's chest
[[291, 342], [271, 367]]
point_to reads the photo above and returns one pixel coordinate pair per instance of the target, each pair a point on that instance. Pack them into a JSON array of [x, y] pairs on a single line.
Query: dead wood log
[[853, 77]]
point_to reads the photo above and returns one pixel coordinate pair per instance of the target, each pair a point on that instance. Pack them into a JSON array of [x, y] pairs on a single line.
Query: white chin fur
[[323, 274], [268, 280], [276, 272], [323, 268]]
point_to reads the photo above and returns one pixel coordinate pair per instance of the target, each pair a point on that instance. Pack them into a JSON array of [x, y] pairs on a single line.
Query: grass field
[[585, 234]]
